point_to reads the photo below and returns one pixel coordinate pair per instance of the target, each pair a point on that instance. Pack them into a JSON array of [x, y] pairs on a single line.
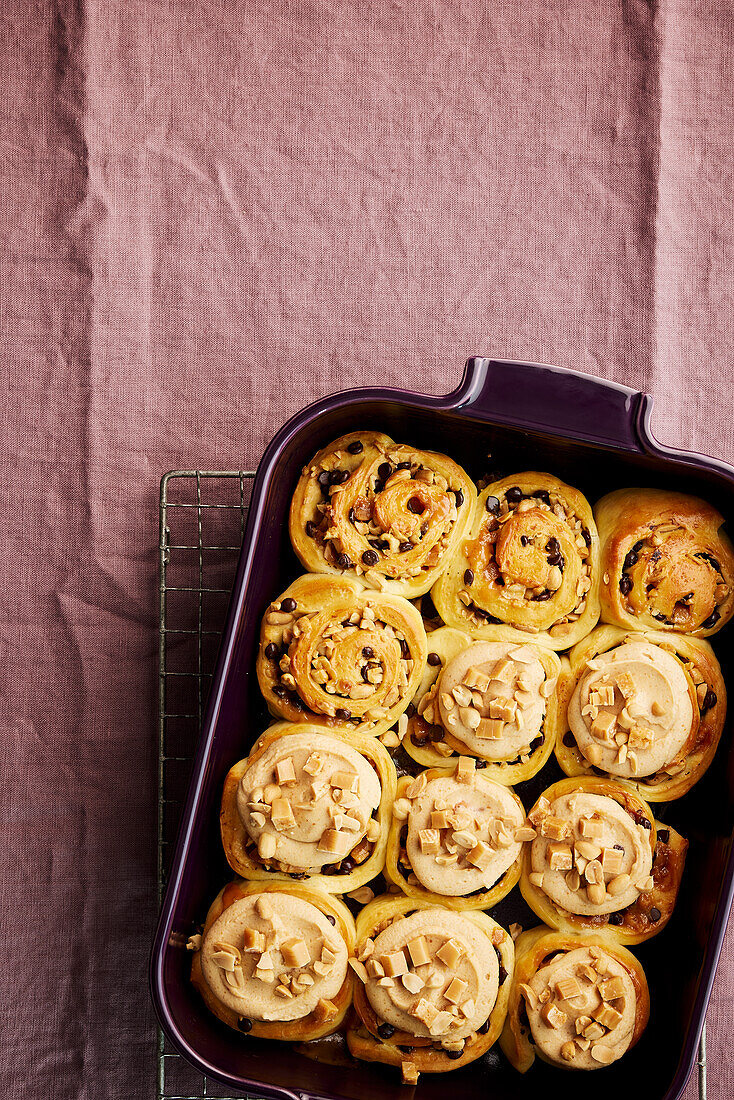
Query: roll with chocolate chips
[[456, 837], [337, 654], [578, 1002], [272, 960], [494, 700], [645, 707], [600, 862], [433, 985], [528, 567], [666, 564], [384, 512], [309, 803]]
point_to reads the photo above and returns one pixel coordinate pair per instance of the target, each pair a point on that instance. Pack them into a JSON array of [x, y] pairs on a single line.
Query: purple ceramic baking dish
[[504, 417]]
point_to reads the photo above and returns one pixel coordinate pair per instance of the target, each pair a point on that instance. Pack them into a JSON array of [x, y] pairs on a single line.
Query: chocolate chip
[[419, 740], [384, 470], [370, 557], [368, 651], [410, 711], [330, 918], [553, 546], [386, 1031], [366, 673], [500, 580], [625, 584], [434, 660], [459, 497], [616, 919], [483, 1028], [481, 764], [378, 544], [404, 650], [586, 536], [279, 691], [416, 506], [492, 505], [356, 447], [542, 597], [468, 577], [338, 477], [311, 529], [619, 847], [352, 516], [513, 495], [299, 875], [454, 1054], [405, 547], [343, 715], [638, 546], [403, 466], [542, 494], [346, 866], [709, 701], [524, 540], [244, 1024], [271, 650], [288, 604], [344, 561], [557, 559], [654, 915], [436, 734], [296, 702], [630, 560], [712, 619], [646, 823], [569, 740], [664, 836], [323, 479], [379, 486]]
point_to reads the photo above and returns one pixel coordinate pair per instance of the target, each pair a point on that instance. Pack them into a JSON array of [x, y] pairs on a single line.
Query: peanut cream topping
[[581, 1008], [590, 856], [273, 957], [492, 698], [462, 834], [307, 802], [433, 974], [631, 712]]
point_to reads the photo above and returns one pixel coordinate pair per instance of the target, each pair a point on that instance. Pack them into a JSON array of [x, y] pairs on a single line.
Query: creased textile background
[[215, 212]]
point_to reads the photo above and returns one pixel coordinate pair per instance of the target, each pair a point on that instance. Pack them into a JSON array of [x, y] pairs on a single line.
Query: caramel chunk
[[480, 855], [553, 1015], [560, 857], [439, 820], [315, 763], [419, 953], [612, 860], [284, 771], [394, 964], [295, 952], [253, 941], [430, 841], [330, 841], [555, 828], [465, 769], [410, 1073], [325, 1010], [603, 724], [567, 989], [283, 818], [347, 781], [449, 953], [490, 728], [607, 1016], [504, 671], [455, 990], [592, 828]]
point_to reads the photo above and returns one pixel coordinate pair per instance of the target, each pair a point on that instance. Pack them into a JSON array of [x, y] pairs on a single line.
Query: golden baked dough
[[509, 723], [604, 1018], [337, 654], [452, 838], [677, 700], [468, 966], [312, 762], [272, 960], [528, 567], [388, 513], [600, 862], [665, 564]]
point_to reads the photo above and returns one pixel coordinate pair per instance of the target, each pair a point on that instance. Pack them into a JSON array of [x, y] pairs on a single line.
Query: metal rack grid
[[202, 526]]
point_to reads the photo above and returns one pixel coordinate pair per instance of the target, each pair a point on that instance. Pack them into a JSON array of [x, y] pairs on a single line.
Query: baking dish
[[504, 417]]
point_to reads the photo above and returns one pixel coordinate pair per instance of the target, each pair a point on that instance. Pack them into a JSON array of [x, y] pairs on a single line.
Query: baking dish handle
[[563, 402]]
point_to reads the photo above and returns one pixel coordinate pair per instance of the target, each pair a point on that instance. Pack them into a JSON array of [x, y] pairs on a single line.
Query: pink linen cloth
[[215, 212]]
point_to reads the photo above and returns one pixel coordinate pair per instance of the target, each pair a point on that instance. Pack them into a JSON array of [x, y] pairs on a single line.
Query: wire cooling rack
[[202, 525]]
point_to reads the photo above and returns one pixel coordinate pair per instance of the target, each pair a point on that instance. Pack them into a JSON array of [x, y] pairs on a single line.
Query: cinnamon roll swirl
[[432, 986], [272, 960], [309, 803], [578, 1002], [382, 511], [600, 861], [336, 654], [528, 568], [666, 563], [646, 707]]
